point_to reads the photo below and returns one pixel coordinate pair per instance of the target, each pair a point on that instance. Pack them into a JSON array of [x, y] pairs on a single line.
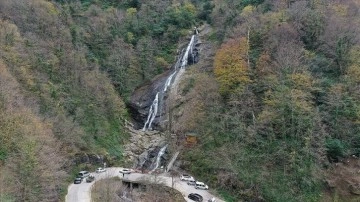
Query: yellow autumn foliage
[[302, 81], [248, 10], [353, 71], [190, 7], [230, 66], [130, 12]]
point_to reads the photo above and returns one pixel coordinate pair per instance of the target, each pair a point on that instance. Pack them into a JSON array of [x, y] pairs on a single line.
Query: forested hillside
[[274, 100], [66, 71], [288, 100]]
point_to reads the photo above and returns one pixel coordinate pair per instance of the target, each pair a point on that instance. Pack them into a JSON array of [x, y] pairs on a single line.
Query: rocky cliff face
[[143, 148], [142, 99]]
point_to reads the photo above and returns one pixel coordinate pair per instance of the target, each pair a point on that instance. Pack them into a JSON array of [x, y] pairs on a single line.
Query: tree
[[339, 36], [230, 66]]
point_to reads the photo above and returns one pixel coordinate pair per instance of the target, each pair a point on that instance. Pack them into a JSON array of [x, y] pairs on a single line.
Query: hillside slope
[[274, 101]]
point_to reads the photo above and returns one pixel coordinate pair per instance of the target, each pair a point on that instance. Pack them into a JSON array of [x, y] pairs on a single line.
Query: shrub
[[335, 149]]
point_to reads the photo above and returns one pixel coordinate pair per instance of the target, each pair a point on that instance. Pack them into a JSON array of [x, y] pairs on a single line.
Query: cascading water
[[158, 158], [152, 112], [186, 55], [196, 31], [168, 81], [183, 62], [152, 158]]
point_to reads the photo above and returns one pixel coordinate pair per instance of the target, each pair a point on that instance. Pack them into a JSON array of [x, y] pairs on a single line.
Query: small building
[[191, 139]]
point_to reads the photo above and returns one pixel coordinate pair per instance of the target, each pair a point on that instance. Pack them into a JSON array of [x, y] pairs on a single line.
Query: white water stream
[[152, 112], [158, 158], [183, 63]]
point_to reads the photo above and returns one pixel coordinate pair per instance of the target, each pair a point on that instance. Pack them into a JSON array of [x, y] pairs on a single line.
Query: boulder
[[355, 188], [330, 183]]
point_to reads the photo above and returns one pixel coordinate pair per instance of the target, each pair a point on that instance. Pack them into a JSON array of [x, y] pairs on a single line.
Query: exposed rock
[[330, 183], [143, 97], [355, 189], [81, 158], [343, 178], [141, 143], [147, 160]]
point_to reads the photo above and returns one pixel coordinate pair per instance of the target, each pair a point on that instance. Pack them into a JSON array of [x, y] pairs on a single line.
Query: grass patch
[[188, 86]]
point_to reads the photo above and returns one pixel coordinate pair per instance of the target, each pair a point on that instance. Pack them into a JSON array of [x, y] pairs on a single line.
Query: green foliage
[[312, 27], [256, 46], [182, 16], [268, 139], [207, 9], [75, 63], [251, 2], [7, 198], [131, 3], [335, 149]]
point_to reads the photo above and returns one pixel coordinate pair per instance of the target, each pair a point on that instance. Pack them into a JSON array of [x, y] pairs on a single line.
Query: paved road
[[82, 192]]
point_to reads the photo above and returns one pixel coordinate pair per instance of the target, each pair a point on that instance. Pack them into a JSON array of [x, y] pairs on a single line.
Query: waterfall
[[152, 113], [196, 31], [168, 81], [183, 62], [158, 158], [186, 55]]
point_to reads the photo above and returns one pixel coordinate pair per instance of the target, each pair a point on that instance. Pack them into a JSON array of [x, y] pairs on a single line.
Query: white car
[[201, 185], [185, 177], [126, 171], [100, 170]]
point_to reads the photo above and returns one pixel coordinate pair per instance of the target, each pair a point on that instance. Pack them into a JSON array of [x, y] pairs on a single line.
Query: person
[[123, 175]]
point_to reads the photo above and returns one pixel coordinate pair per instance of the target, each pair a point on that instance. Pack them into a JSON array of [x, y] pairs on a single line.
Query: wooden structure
[[191, 139]]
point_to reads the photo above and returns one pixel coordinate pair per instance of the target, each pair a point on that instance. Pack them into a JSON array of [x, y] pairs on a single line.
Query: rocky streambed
[[143, 148]]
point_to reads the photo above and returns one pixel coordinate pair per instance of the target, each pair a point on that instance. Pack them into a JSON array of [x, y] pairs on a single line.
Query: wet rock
[[147, 160], [154, 152], [141, 159], [143, 97], [141, 143]]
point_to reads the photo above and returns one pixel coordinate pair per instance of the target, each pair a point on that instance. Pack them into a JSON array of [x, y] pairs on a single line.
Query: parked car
[[78, 180], [126, 171], [185, 177], [201, 185], [191, 182], [90, 178], [212, 200], [83, 174], [100, 170], [195, 197]]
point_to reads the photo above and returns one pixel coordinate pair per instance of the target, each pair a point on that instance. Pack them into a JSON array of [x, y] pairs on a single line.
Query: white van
[[83, 174], [201, 185]]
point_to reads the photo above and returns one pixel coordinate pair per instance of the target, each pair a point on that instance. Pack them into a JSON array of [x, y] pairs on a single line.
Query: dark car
[[78, 180], [195, 197]]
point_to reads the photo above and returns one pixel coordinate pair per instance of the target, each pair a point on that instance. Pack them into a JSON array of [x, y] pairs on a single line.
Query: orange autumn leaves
[[230, 67]]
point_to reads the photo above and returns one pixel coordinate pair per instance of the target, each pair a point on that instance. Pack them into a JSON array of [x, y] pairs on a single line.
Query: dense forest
[[274, 100]]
